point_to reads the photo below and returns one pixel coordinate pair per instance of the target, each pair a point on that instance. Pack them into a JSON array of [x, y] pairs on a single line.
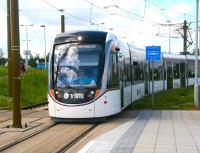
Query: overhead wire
[[105, 10], [63, 11], [132, 13], [164, 9], [74, 16]]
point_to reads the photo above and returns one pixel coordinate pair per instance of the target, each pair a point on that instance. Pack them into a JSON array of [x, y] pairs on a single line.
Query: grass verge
[[33, 88], [3, 71], [174, 99]]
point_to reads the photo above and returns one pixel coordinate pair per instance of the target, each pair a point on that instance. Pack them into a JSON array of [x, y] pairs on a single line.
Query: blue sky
[[133, 20]]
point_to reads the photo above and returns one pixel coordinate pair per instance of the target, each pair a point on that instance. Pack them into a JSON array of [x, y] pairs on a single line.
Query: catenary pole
[[62, 23], [196, 94], [15, 53], [185, 27], [9, 51]]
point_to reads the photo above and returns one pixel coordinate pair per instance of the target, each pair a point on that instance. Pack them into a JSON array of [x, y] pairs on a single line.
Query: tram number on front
[[76, 96]]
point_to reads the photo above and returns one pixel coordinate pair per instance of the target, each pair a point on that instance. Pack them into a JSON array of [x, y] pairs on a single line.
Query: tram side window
[[191, 73], [182, 69], [169, 70], [138, 72], [161, 71], [157, 71], [158, 68], [127, 73], [198, 70], [176, 70], [164, 71], [113, 77]]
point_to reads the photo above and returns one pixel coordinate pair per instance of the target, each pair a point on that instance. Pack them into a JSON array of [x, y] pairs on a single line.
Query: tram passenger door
[[121, 76], [169, 75], [183, 77], [146, 77]]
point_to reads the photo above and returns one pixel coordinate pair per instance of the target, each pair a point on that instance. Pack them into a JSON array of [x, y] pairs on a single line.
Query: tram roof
[[86, 36], [174, 56]]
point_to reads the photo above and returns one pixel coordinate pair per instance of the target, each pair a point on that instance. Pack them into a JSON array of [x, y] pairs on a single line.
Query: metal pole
[[169, 36], [45, 58], [152, 84], [185, 37], [15, 52], [26, 53], [27, 45], [9, 51], [199, 40], [62, 23], [45, 48], [196, 94]]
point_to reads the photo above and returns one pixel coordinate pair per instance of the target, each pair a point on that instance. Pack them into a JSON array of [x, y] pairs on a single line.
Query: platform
[[155, 131]]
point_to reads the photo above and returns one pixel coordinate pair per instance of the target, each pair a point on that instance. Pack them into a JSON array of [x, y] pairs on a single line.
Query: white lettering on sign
[[76, 96], [153, 53]]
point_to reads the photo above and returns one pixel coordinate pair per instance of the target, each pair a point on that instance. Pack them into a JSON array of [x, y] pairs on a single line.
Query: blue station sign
[[153, 53]]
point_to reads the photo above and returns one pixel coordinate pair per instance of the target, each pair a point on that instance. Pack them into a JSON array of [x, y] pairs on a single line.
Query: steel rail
[[75, 140]]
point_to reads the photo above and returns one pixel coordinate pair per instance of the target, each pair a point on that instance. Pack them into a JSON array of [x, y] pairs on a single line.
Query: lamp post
[[169, 36], [45, 58], [196, 94], [27, 51]]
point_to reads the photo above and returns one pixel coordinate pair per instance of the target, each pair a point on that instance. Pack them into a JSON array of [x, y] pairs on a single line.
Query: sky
[[140, 22]]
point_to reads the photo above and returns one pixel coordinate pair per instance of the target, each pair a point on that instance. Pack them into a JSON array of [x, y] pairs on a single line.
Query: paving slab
[[157, 131]]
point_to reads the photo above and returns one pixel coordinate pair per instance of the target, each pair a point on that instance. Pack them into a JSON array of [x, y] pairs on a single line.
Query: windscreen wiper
[[63, 80]]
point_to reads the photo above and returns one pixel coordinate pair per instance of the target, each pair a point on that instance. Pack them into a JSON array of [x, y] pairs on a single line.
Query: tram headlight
[[90, 96], [79, 38]]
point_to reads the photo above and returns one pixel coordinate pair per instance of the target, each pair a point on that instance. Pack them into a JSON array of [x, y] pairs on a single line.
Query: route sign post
[[153, 54]]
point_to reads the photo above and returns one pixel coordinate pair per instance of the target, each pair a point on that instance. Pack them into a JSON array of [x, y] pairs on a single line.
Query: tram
[[93, 74]]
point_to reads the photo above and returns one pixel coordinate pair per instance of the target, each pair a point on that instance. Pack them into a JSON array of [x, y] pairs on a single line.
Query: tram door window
[[146, 77], [158, 68], [182, 75], [127, 72], [121, 74], [113, 73], [138, 76], [198, 71], [176, 71], [190, 69], [169, 75]]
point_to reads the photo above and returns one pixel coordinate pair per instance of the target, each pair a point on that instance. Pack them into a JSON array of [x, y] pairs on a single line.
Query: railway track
[[58, 138], [7, 115], [66, 134], [68, 145], [35, 105], [25, 137]]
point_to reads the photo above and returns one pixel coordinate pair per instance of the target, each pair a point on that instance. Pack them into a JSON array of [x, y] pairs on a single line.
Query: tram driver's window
[[113, 78]]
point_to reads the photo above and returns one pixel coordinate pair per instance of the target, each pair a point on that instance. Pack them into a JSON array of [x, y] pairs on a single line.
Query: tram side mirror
[[117, 49], [135, 63]]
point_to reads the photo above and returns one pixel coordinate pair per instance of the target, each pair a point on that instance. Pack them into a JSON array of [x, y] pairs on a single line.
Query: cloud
[[177, 11], [126, 21]]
